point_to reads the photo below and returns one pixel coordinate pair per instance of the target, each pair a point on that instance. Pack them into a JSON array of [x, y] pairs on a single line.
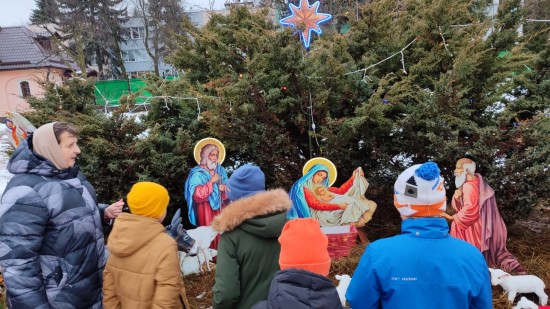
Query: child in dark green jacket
[[248, 250]]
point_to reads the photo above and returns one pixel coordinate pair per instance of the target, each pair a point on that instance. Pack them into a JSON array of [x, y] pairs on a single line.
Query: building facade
[[26, 59], [136, 59]]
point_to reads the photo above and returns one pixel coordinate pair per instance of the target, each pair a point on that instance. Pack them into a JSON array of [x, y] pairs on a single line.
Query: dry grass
[[528, 240], [200, 285]]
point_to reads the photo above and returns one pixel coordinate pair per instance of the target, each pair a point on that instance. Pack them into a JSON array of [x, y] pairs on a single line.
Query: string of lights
[[364, 70]]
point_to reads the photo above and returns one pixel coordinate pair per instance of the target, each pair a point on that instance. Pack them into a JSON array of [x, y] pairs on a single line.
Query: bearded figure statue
[[477, 219], [205, 187]]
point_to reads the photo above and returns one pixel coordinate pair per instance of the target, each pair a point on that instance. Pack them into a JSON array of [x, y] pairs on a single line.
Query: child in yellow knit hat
[[142, 270]]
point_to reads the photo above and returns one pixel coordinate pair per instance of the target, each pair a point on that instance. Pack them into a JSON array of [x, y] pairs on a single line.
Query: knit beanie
[[148, 199], [420, 191], [304, 246], [246, 180]]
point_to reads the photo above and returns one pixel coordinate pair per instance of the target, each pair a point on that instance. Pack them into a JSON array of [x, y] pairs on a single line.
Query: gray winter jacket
[[52, 251]]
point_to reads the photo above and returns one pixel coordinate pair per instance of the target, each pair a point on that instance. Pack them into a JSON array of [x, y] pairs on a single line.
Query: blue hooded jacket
[[422, 268]]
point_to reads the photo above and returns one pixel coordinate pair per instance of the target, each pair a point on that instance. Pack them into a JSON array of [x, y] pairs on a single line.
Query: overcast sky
[[17, 12]]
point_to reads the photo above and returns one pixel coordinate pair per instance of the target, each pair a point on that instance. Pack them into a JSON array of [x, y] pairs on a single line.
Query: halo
[[205, 141], [323, 161]]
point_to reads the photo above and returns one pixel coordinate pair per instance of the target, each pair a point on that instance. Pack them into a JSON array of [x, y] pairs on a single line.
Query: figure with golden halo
[[205, 187], [313, 196], [477, 219]]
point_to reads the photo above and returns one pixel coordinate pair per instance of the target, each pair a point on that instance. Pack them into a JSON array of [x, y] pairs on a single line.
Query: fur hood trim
[[260, 204]]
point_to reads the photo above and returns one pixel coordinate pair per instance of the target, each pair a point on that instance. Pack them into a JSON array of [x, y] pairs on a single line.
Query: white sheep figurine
[[193, 264], [342, 287], [519, 284], [203, 236], [524, 303]]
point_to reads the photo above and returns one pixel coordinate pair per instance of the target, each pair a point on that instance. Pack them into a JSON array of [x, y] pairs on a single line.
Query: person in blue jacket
[[424, 267]]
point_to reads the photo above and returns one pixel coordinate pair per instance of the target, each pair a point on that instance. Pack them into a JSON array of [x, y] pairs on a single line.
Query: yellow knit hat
[[148, 199]]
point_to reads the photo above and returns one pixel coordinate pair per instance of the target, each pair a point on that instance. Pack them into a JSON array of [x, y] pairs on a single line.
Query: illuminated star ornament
[[306, 19]]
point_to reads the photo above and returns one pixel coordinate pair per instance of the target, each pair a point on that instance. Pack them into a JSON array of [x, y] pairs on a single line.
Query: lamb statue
[[342, 287], [524, 303], [519, 284], [193, 243]]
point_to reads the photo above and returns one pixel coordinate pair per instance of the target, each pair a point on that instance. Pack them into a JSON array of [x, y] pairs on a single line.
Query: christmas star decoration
[[306, 19]]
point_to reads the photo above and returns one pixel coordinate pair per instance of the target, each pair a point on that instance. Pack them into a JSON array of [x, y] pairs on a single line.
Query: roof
[[44, 30], [19, 49]]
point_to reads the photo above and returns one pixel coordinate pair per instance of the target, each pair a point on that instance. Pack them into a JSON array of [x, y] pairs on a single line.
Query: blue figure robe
[[200, 176], [299, 208]]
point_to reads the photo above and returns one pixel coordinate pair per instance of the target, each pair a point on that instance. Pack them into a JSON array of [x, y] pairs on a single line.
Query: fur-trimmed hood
[[259, 210]]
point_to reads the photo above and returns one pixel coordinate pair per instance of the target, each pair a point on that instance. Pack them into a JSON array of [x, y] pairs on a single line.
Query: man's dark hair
[[60, 127]]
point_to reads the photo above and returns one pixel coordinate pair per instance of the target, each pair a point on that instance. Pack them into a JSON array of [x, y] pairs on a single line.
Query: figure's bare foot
[[519, 270], [362, 235]]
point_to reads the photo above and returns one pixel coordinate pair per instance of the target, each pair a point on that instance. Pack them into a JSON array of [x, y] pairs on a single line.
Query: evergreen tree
[[45, 12], [107, 20], [412, 81], [525, 122], [437, 100], [452, 97], [260, 83], [90, 30]]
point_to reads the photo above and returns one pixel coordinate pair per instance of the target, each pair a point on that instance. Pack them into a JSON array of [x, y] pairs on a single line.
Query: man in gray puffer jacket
[[52, 251]]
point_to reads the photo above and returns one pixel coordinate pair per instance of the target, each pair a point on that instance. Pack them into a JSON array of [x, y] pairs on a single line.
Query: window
[[125, 33], [134, 33], [135, 55], [137, 32], [25, 89]]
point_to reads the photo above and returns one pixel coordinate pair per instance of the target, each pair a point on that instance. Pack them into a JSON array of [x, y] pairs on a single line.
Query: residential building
[[199, 18], [27, 58], [249, 3], [136, 59]]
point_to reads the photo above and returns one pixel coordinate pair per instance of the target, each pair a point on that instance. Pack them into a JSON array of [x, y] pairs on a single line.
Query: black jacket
[[300, 289]]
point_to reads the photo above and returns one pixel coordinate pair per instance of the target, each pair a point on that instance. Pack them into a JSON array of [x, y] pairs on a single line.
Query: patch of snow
[[500, 161], [404, 159], [509, 97], [496, 108], [5, 146]]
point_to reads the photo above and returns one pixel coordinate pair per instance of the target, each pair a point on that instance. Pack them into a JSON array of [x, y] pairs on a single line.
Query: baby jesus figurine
[[326, 196], [348, 208]]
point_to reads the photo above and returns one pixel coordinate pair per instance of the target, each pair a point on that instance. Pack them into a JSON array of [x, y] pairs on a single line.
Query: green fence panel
[[108, 92], [136, 85]]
